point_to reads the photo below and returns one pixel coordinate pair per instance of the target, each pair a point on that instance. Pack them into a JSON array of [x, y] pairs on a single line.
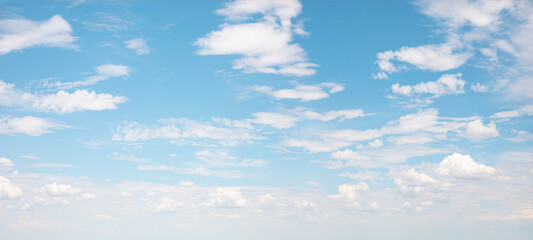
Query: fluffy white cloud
[[20, 33], [303, 92], [8, 190], [104, 72], [477, 130], [227, 197], [139, 45], [439, 57], [521, 111], [266, 45], [348, 193], [28, 125], [464, 12], [60, 189], [463, 166], [446, 84], [241, 9], [60, 102]]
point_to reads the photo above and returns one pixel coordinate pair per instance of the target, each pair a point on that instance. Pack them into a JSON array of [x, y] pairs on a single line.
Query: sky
[[249, 119]]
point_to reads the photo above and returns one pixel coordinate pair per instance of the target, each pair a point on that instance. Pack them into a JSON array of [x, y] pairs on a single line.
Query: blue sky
[[266, 119]]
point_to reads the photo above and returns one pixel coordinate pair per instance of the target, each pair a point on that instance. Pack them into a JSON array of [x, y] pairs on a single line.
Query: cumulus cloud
[[227, 197], [266, 45], [28, 125], [349, 193], [304, 93], [139, 45], [446, 84], [103, 72], [60, 102], [463, 166], [60, 189], [477, 130], [20, 33], [8, 190]]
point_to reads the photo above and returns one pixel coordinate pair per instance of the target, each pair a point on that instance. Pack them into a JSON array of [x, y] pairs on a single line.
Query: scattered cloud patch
[[139, 45], [446, 84], [304, 93], [20, 33], [29, 125], [60, 102], [265, 44]]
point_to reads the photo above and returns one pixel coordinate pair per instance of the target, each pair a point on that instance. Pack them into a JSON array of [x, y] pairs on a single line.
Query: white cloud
[[60, 102], [446, 84], [139, 45], [266, 45], [167, 204], [521, 111], [28, 125], [104, 72], [463, 166], [276, 120], [52, 165], [521, 136], [8, 190], [479, 88], [227, 197], [224, 158], [477, 130], [123, 157], [303, 92], [183, 129], [331, 115], [241, 9], [186, 183], [348, 193], [438, 57], [414, 139], [20, 33], [6, 164], [376, 143], [426, 120], [60, 189], [464, 12]]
